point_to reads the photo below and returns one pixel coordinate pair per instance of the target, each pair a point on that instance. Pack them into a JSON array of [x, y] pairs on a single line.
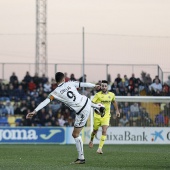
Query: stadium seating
[[152, 108], [18, 119], [4, 121], [11, 121]]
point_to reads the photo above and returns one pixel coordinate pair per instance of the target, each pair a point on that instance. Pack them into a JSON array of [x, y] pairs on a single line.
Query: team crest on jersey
[[109, 97]]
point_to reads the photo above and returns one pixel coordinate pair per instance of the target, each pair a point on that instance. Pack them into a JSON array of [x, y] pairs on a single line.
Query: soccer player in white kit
[[66, 92]]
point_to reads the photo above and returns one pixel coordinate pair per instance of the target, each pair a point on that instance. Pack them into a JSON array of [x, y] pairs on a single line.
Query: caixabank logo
[[157, 135], [32, 135]]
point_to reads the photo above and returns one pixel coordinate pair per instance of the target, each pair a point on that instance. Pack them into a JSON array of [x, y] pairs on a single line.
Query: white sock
[[95, 105], [79, 146]]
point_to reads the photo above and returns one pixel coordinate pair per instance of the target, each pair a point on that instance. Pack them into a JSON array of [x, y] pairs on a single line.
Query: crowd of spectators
[[133, 114], [19, 98]]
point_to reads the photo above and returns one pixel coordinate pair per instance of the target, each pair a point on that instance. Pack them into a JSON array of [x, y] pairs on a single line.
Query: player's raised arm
[[90, 85], [30, 115], [39, 107]]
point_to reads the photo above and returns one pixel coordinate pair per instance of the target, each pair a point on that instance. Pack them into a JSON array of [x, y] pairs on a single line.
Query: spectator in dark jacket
[[13, 77], [27, 77]]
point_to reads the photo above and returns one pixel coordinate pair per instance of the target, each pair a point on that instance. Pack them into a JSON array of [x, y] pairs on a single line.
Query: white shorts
[[81, 118]]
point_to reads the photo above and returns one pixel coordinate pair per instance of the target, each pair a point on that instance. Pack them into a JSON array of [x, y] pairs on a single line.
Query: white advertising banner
[[126, 135]]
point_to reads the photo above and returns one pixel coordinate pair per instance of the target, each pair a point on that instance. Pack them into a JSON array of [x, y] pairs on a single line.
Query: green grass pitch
[[59, 157]]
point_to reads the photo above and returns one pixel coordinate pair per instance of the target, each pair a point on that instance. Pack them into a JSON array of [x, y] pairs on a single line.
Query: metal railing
[[93, 71]]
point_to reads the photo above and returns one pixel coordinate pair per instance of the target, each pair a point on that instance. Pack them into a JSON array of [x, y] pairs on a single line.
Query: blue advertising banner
[[63, 135], [32, 135]]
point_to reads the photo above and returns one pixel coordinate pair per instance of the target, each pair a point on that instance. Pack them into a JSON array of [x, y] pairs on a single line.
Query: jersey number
[[70, 95]]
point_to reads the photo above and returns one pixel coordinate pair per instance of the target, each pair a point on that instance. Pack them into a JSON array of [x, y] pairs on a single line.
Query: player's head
[[104, 86], [59, 77]]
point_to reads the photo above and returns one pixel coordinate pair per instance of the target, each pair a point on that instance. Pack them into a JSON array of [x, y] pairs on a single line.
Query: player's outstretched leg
[[102, 111], [99, 108]]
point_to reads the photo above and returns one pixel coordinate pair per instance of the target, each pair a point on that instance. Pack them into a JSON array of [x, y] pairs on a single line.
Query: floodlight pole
[[41, 40]]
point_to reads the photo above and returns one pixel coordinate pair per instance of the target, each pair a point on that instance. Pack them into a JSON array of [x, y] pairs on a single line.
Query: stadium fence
[[91, 70]]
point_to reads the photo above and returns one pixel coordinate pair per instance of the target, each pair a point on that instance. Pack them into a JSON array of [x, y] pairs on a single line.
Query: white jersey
[[67, 93]]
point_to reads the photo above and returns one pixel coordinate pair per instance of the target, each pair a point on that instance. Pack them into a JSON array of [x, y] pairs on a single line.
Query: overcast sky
[[116, 31]]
